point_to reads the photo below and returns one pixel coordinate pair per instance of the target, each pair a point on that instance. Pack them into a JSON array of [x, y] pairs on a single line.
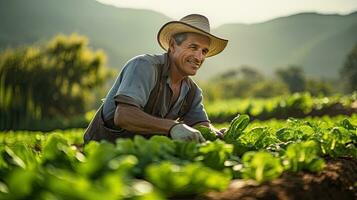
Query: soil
[[337, 181]]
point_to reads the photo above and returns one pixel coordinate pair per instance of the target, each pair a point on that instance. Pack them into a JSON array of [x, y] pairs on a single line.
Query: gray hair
[[180, 37]]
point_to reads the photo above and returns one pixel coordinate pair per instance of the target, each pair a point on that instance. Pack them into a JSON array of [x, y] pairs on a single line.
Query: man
[[154, 93]]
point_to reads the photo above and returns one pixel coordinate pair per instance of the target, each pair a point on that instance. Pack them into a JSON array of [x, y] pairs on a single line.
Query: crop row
[[34, 165], [298, 105]]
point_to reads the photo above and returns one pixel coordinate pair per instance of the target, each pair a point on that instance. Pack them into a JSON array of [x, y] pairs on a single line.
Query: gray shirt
[[135, 82]]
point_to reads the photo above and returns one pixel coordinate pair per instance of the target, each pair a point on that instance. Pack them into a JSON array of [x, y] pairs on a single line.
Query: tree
[[269, 88], [52, 80], [294, 77], [318, 87], [250, 74], [348, 72], [238, 82]]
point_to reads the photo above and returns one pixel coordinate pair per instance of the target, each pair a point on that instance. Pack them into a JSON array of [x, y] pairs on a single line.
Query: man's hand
[[185, 133], [220, 132]]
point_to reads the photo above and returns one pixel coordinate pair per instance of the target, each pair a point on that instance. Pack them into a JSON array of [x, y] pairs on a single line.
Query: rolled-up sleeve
[[139, 78], [197, 113]]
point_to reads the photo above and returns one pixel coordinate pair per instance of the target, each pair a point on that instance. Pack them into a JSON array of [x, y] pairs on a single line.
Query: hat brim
[[169, 29]]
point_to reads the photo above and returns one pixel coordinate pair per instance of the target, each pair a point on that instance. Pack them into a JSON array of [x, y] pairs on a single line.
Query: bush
[[54, 80]]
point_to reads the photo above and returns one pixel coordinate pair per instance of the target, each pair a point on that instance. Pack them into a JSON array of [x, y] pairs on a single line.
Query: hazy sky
[[238, 11]]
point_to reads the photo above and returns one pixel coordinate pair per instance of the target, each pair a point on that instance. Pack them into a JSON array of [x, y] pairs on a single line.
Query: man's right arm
[[135, 120]]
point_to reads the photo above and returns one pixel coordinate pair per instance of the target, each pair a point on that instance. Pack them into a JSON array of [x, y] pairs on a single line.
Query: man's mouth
[[195, 65]]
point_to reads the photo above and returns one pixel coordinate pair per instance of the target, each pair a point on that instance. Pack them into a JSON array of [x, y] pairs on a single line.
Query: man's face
[[189, 56]]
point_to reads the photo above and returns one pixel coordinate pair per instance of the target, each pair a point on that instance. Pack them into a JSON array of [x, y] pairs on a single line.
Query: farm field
[[281, 94], [285, 159], [298, 105]]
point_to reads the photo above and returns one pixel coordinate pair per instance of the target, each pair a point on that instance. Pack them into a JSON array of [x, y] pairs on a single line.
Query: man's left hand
[[220, 132]]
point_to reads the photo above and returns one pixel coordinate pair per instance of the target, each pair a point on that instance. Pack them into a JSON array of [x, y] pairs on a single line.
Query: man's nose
[[199, 56]]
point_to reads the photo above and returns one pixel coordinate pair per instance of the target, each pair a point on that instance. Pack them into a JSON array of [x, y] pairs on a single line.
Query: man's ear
[[172, 45]]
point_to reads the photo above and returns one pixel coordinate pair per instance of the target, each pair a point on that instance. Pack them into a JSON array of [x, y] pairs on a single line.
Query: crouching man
[[154, 94]]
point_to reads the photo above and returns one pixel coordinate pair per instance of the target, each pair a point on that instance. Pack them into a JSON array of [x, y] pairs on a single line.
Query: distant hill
[[122, 33], [318, 42]]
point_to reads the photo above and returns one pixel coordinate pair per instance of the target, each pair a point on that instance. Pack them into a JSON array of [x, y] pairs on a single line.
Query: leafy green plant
[[58, 153], [303, 156], [261, 166], [186, 150], [238, 124], [206, 132], [189, 179], [214, 154]]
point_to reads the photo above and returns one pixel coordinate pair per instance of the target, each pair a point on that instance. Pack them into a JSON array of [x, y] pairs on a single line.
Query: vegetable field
[[254, 158], [298, 105]]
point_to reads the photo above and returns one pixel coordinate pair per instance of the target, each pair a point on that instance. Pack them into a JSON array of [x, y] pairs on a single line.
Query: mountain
[[317, 42], [122, 33]]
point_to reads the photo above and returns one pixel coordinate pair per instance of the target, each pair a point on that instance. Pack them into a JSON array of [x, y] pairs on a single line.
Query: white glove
[[185, 133]]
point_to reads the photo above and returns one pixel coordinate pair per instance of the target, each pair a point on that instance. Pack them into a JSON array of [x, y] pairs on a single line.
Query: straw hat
[[193, 23]]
